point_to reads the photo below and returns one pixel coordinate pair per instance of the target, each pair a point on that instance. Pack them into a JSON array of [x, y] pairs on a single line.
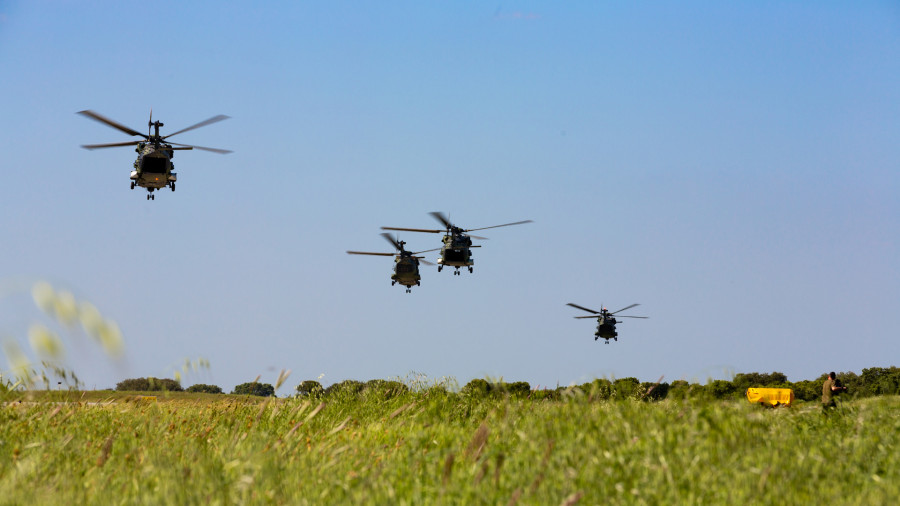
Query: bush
[[384, 389], [476, 389], [259, 389], [654, 391], [721, 389], [204, 389], [743, 381], [149, 384], [310, 388], [598, 390], [346, 387], [626, 388]]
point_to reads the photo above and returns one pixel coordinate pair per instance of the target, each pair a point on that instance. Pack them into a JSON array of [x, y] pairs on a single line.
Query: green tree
[[310, 388], [255, 388], [204, 389]]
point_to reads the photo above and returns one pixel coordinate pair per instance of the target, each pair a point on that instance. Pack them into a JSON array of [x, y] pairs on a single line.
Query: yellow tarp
[[771, 396]]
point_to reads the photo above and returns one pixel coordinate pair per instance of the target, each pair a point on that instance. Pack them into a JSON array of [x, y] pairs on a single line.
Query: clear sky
[[732, 166]]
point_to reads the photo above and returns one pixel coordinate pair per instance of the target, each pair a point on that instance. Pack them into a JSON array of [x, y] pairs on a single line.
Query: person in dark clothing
[[830, 388]]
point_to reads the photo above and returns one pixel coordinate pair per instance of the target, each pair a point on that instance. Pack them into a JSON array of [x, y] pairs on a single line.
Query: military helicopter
[[456, 251], [153, 167], [606, 322], [406, 263]]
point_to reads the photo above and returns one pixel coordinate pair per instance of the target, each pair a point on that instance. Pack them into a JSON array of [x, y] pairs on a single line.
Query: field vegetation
[[388, 442]]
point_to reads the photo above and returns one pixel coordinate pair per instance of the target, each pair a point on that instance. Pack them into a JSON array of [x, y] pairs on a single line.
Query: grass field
[[433, 447]]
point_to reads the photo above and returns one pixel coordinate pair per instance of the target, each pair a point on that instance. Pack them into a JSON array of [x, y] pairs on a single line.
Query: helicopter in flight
[[606, 321], [406, 263], [153, 167], [456, 251]]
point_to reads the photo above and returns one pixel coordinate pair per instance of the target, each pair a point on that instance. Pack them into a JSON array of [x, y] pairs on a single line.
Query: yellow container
[[771, 396]]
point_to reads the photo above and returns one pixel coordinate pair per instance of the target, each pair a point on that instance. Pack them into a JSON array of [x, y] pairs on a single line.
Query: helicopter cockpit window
[[152, 165], [404, 268]]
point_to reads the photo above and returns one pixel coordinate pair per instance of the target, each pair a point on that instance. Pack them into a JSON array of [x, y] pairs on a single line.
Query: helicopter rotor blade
[[430, 231], [596, 316], [370, 253], [441, 218], [423, 261], [626, 316], [214, 150], [496, 226], [391, 239], [108, 122], [112, 145], [583, 309], [425, 251], [624, 308], [210, 121], [477, 237]]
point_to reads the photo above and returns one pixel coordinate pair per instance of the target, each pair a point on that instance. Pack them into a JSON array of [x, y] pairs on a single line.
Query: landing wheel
[[408, 289], [470, 270], [148, 196], [172, 186], [132, 185], [393, 283], [440, 267]]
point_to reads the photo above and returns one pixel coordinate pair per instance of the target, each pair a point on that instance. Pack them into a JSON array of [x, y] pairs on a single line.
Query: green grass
[[432, 447]]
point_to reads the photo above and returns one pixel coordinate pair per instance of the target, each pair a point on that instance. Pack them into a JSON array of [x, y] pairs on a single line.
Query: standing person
[[830, 388]]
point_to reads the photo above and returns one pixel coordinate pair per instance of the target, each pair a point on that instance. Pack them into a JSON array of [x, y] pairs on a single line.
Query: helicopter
[[153, 167], [406, 263], [606, 322], [456, 251]]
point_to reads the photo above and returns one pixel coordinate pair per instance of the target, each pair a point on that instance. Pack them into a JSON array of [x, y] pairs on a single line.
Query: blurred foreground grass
[[432, 447]]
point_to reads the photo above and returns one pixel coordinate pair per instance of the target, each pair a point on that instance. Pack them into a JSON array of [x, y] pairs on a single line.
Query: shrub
[[346, 387], [721, 389], [310, 388], [626, 388], [476, 389], [149, 384], [384, 389], [598, 390], [204, 389], [255, 388], [654, 391]]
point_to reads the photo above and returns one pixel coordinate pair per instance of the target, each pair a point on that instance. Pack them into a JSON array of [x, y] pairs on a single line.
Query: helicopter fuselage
[[606, 328], [456, 252], [153, 167], [406, 271]]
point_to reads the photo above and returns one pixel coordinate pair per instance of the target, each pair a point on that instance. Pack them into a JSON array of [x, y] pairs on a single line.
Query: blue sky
[[733, 167]]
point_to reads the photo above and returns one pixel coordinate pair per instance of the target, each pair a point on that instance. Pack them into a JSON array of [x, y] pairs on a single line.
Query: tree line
[[871, 382]]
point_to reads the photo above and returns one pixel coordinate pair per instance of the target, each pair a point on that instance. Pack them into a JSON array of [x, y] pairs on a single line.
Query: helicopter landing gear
[[172, 186], [408, 289], [470, 270], [132, 185], [440, 267], [393, 283], [151, 196]]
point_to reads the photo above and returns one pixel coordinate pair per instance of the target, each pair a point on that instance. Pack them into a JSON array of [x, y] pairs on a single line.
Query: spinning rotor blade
[[496, 226], [425, 251], [106, 121], [441, 218], [598, 316], [214, 150], [423, 261], [210, 121], [624, 308], [113, 145], [477, 237], [583, 309], [370, 253], [414, 230], [624, 316], [389, 238]]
